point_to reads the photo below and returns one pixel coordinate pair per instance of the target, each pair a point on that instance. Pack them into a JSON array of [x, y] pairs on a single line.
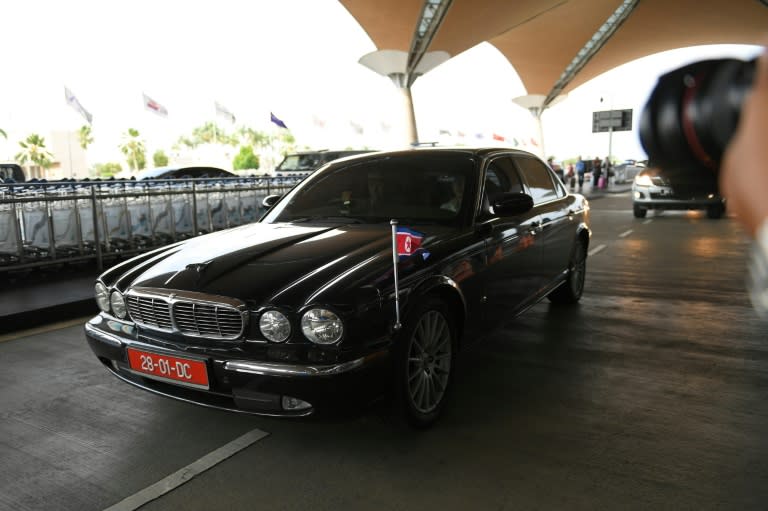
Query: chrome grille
[[150, 312], [205, 320], [188, 313]]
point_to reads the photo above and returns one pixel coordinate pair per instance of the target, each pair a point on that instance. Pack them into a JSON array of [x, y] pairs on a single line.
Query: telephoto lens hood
[[691, 116]]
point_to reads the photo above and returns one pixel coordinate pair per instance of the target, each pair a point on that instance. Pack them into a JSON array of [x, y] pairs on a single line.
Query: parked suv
[[306, 162], [652, 188]]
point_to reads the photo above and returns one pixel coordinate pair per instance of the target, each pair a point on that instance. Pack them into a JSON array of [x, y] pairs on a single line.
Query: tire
[[716, 211], [425, 359], [570, 291], [638, 211]]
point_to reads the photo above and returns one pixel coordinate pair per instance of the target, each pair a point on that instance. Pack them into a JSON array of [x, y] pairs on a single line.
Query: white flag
[[220, 110], [153, 106], [74, 103]]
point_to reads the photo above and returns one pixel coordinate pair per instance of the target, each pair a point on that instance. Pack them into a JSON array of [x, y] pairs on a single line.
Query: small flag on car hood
[[408, 242]]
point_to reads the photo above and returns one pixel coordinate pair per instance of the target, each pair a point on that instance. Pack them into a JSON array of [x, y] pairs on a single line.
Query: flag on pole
[[74, 103], [220, 110], [277, 121], [153, 106], [408, 242]]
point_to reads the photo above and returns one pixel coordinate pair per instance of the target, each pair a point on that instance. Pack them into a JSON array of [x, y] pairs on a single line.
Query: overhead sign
[[612, 120]]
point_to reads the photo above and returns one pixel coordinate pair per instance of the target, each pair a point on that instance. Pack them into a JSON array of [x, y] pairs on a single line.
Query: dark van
[[11, 173]]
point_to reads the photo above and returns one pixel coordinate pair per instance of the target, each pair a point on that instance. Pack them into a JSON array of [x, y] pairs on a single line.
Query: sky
[[296, 58]]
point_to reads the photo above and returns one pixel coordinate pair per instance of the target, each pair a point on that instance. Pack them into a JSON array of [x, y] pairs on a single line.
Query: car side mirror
[[511, 204], [270, 200]]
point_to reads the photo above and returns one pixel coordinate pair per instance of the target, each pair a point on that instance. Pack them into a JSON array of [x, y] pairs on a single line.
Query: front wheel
[[571, 290], [425, 360], [638, 211]]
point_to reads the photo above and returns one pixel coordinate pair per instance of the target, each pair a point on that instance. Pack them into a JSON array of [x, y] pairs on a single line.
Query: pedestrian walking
[[580, 169]]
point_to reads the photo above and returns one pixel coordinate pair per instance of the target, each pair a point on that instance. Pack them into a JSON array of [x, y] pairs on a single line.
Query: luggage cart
[[117, 223], [183, 215], [37, 228], [67, 234], [10, 235], [162, 216]]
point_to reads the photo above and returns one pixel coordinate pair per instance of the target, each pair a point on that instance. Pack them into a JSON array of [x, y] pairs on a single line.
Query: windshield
[[299, 162], [419, 189]]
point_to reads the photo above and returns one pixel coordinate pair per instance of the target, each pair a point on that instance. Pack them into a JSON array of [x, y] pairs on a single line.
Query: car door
[[556, 217], [512, 250]]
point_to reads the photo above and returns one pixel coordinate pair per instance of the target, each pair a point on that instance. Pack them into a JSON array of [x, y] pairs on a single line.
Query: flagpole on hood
[[398, 325]]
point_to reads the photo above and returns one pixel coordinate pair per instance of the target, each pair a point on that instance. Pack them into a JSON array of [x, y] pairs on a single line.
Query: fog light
[[638, 195], [292, 403]]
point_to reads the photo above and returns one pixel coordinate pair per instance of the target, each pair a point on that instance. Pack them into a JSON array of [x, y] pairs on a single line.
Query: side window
[[500, 177], [540, 184]]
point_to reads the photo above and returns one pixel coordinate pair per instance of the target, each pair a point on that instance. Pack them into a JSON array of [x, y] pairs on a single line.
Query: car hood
[[286, 264]]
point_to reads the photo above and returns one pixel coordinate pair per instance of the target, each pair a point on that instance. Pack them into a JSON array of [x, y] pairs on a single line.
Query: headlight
[[102, 296], [321, 326], [117, 302], [644, 180], [275, 326]]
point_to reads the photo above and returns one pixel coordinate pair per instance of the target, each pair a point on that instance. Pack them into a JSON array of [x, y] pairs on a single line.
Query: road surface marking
[[187, 473], [648, 221], [625, 234], [595, 250], [44, 329]]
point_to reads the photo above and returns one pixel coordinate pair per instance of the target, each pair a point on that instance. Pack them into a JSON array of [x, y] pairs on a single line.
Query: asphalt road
[[651, 394]]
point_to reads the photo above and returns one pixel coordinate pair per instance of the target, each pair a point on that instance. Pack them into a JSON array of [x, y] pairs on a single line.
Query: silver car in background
[[652, 189]]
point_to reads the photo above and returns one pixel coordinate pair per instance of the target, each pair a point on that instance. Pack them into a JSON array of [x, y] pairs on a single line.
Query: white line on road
[[648, 221], [625, 234], [186, 474], [595, 250], [44, 329]]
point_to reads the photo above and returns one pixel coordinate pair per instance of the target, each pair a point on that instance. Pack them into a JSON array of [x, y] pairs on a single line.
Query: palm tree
[[86, 137], [134, 150], [34, 151]]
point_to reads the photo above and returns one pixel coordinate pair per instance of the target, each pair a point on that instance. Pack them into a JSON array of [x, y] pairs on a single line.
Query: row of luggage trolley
[[54, 223]]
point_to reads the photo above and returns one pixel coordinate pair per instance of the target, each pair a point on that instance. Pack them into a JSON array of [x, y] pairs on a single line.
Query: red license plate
[[170, 368]]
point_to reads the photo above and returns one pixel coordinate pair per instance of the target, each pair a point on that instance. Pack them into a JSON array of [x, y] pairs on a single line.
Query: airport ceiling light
[[589, 50], [432, 16]]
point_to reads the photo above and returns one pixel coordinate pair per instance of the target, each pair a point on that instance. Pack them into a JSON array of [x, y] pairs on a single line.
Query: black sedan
[[364, 280]]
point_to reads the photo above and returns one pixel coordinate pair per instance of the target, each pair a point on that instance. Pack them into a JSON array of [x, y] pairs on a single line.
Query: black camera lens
[[691, 116]]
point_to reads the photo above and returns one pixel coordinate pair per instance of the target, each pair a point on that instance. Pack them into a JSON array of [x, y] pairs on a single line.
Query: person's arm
[[744, 172], [744, 181]]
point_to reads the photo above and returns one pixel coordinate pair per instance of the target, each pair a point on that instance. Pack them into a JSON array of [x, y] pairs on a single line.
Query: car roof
[[480, 152], [159, 171]]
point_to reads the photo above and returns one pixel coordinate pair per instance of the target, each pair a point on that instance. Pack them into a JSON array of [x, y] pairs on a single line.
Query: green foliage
[[160, 159], [250, 136], [85, 136], [4, 134], [134, 150], [107, 169], [208, 133], [33, 151], [245, 159]]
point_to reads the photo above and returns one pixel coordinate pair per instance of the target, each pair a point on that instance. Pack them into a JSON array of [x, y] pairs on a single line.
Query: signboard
[[619, 120]]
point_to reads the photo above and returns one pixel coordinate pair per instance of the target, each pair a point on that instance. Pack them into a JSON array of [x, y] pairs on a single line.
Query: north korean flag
[[408, 242]]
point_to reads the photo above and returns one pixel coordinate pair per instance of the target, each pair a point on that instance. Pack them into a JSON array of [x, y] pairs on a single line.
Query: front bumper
[[663, 198], [244, 385]]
